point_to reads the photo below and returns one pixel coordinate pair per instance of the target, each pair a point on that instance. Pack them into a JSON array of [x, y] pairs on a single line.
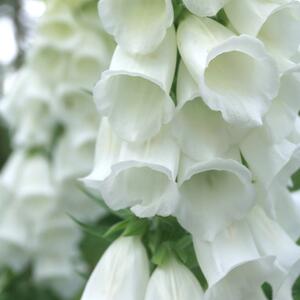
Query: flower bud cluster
[[199, 120], [54, 125]]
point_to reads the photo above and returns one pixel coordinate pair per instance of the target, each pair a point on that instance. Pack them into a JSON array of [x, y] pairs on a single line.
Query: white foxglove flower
[[126, 173], [35, 192], [172, 281], [91, 58], [134, 92], [76, 110], [122, 272], [248, 240], [235, 74], [49, 61], [14, 237], [78, 162], [285, 209], [56, 254], [280, 120], [285, 290], [200, 132], [269, 160], [276, 23], [213, 194], [139, 26], [243, 282], [8, 179], [205, 8], [59, 27]]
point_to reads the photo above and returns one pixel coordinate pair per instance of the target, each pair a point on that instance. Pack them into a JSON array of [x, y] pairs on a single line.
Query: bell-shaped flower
[[280, 120], [9, 179], [126, 173], [205, 8], [35, 193], [56, 261], [49, 61], [212, 195], [138, 26], [285, 292], [244, 282], [58, 27], [282, 206], [276, 23], [14, 236], [201, 133], [79, 162], [134, 92], [270, 160], [235, 75], [121, 273], [91, 58], [247, 240], [76, 109], [172, 281]]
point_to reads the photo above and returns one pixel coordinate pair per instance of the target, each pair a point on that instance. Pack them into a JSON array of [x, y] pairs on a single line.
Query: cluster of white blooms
[[209, 135], [54, 126]]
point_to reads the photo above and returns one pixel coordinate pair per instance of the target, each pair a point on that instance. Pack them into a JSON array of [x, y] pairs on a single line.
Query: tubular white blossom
[[243, 282], [212, 195], [200, 132], [276, 23], [35, 192], [139, 26], [235, 74], [121, 273], [248, 240], [56, 254], [205, 8], [134, 92], [172, 281], [119, 165]]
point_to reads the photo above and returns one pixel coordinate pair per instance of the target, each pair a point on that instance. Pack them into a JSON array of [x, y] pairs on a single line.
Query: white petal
[[205, 8], [138, 26], [276, 23], [58, 28], [244, 282], [235, 74], [213, 194], [122, 272], [125, 173], [35, 191], [266, 159], [76, 163], [173, 281], [134, 93], [286, 210], [200, 132], [231, 248]]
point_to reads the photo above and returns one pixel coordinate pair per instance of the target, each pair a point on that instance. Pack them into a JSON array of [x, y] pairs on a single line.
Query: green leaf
[[296, 289], [90, 229], [268, 291], [136, 226], [116, 228], [163, 254]]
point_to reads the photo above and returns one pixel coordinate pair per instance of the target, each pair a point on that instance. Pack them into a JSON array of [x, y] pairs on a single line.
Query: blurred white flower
[[121, 273], [138, 26]]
